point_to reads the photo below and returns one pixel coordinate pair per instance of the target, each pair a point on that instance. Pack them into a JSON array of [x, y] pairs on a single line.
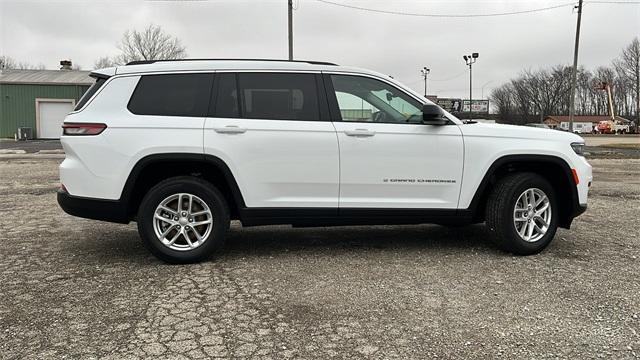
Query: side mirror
[[389, 97], [433, 115]]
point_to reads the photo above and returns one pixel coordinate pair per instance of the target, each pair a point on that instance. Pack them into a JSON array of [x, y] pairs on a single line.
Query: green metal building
[[39, 99]]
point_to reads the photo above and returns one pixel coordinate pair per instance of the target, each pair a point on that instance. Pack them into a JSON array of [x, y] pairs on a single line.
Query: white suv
[[182, 147]]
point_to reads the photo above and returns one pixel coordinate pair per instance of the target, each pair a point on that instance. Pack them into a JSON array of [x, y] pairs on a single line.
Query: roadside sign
[[451, 105], [477, 106]]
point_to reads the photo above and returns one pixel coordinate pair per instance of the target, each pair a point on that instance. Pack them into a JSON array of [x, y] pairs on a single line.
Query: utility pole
[[470, 60], [290, 11], [425, 73], [637, 96], [574, 74]]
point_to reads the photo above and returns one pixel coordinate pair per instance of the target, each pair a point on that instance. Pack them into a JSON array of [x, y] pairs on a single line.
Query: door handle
[[360, 133], [230, 129]]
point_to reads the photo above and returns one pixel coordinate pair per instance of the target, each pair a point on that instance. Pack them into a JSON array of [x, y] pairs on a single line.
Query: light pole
[[425, 73], [470, 60]]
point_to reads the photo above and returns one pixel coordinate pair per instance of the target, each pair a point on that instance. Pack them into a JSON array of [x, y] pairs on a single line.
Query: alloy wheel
[[532, 215], [182, 222]]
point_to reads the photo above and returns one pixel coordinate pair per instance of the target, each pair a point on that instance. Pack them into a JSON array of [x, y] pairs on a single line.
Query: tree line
[[7, 62], [533, 95]]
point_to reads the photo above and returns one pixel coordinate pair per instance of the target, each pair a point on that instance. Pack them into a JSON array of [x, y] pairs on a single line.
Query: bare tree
[[104, 62], [7, 62], [629, 66], [150, 44], [502, 97]]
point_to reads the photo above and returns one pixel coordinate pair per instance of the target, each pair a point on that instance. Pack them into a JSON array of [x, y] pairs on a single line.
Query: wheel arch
[[154, 168], [554, 169]]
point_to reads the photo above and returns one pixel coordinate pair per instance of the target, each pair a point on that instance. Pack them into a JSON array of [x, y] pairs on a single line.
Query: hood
[[518, 132]]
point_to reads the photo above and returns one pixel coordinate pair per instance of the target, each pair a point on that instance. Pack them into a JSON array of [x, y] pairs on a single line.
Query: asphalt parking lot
[[82, 289]]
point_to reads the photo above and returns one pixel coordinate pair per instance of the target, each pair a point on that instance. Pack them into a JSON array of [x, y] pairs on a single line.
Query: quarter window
[[364, 99], [172, 95], [278, 96], [89, 93]]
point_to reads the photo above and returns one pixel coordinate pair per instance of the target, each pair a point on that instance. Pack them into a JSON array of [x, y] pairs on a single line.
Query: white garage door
[[51, 116]]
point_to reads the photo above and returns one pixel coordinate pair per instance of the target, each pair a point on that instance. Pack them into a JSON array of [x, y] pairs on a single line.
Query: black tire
[[500, 213], [195, 186]]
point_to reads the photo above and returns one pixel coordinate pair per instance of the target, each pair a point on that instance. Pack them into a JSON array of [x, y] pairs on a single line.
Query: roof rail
[[142, 62]]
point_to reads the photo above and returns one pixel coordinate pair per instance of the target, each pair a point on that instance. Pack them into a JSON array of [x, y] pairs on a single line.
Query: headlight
[[578, 148]]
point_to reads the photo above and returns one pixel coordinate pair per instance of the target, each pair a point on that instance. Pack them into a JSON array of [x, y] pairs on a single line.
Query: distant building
[[582, 123], [39, 99]]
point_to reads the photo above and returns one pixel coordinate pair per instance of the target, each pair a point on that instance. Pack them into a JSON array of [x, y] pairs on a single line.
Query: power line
[[444, 15], [403, 13], [612, 2], [445, 79], [451, 78]]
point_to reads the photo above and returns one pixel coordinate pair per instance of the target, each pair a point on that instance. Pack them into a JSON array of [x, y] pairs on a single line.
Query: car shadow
[[273, 240], [122, 243]]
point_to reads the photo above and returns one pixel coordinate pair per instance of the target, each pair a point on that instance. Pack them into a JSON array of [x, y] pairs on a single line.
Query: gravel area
[[77, 288], [31, 146]]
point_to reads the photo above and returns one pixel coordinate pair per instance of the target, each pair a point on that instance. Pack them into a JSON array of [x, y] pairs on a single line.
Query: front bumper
[[96, 209], [577, 210], [580, 209]]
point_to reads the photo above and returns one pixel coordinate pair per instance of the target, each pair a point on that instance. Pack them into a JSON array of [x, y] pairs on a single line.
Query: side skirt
[[315, 217]]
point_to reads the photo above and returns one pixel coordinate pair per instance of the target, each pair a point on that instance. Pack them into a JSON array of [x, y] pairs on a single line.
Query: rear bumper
[[90, 208]]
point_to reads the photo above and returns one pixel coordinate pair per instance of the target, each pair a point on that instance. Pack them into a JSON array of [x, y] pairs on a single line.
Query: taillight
[[75, 129]]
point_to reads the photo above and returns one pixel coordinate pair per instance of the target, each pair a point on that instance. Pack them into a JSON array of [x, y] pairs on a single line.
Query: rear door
[[274, 133]]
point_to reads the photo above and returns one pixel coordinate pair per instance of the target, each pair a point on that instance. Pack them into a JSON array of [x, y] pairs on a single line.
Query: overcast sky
[[48, 31]]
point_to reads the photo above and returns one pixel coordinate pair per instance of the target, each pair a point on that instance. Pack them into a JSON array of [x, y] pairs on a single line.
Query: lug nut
[[175, 218], [184, 213], [190, 219], [178, 227]]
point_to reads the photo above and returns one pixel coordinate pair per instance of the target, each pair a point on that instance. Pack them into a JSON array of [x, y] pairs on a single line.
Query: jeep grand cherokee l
[[183, 147]]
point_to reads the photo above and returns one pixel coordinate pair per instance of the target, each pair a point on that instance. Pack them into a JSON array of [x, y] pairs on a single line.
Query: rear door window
[[278, 96], [172, 95]]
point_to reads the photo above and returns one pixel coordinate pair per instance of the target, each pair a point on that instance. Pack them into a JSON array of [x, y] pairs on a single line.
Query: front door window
[[363, 99]]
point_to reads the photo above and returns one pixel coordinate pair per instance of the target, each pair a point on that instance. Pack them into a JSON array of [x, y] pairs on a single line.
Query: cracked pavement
[[75, 288]]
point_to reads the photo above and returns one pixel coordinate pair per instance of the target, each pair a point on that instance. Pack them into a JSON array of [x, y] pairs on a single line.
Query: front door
[[273, 131], [388, 158]]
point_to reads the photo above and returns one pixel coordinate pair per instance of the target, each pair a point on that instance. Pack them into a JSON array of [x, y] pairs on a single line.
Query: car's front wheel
[[522, 214], [183, 219]]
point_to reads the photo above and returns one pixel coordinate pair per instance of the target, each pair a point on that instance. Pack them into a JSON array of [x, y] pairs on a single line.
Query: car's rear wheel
[[522, 214], [183, 219]]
